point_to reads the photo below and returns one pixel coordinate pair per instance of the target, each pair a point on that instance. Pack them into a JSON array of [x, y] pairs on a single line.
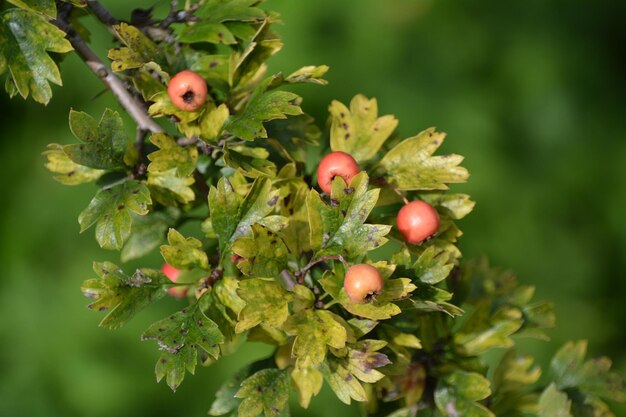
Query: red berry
[[417, 221], [336, 164], [187, 90], [362, 283], [173, 274]]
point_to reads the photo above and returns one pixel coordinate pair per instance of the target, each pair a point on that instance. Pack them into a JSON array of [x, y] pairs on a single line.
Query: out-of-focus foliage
[[518, 116]]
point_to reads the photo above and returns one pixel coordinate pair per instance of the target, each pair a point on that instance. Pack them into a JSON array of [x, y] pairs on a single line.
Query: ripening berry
[[187, 90], [362, 283], [173, 274], [417, 221], [336, 164]]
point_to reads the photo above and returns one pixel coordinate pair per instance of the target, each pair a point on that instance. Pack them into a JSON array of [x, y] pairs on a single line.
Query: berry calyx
[[187, 90], [417, 221], [362, 283], [173, 274], [336, 164]]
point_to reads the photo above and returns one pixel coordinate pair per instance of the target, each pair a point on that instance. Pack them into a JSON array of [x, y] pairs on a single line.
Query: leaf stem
[[133, 106]]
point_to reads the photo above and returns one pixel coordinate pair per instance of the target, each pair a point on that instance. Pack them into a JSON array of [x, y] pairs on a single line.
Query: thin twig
[[102, 13], [288, 279], [314, 262], [203, 188], [134, 107]]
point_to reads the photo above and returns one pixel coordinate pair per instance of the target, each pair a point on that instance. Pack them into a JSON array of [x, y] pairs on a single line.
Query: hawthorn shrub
[[271, 251]]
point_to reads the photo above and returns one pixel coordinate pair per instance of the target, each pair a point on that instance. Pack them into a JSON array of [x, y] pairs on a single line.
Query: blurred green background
[[532, 93]]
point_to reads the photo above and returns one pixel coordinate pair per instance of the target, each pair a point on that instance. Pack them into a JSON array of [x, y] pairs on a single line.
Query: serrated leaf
[[225, 400], [593, 377], [410, 165], [204, 31], [105, 143], [363, 359], [233, 10], [264, 253], [358, 130], [429, 298], [26, 38], [314, 331], [111, 208], [514, 372], [340, 229], [212, 123], [266, 303], [554, 403], [457, 206], [252, 162], [310, 74], [261, 107], [171, 156], [296, 235], [457, 395], [309, 382], [342, 382], [483, 331], [138, 49], [47, 7], [184, 253], [233, 216], [180, 336], [266, 391], [123, 295], [146, 234], [70, 173], [432, 266], [249, 64], [168, 187], [291, 136]]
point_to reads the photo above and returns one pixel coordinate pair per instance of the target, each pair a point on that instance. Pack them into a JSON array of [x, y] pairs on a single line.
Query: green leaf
[[138, 49], [111, 208], [554, 403], [314, 330], [342, 382], [309, 74], [105, 143], [410, 165], [146, 234], [212, 123], [593, 377], [457, 206], [180, 336], [168, 187], [264, 253], [432, 266], [171, 156], [47, 7], [184, 253], [291, 136], [309, 382], [204, 31], [225, 400], [483, 331], [232, 216], [266, 303], [249, 65], [296, 235], [123, 295], [261, 107], [511, 379], [363, 359], [358, 130], [233, 10], [266, 391], [252, 162], [340, 229], [70, 173], [26, 37], [429, 298], [457, 393]]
